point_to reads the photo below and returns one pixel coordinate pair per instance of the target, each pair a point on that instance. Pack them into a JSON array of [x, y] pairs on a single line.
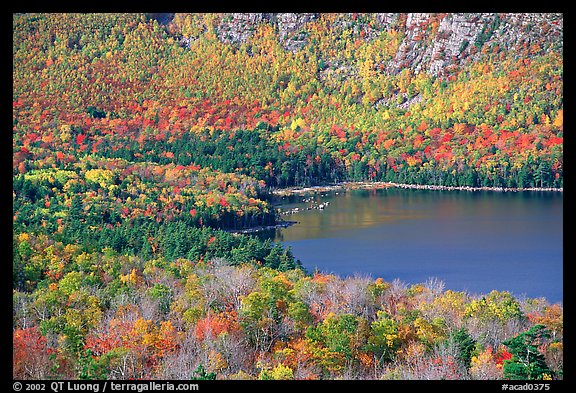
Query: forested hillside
[[142, 141]]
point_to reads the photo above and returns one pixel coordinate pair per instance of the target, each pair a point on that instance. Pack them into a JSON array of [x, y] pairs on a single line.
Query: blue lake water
[[472, 241]]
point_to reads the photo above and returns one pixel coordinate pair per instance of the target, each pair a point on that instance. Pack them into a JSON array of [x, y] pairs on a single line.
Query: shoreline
[[280, 224], [363, 185], [282, 192]]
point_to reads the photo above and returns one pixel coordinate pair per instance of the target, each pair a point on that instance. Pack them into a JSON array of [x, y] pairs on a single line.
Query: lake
[[472, 241]]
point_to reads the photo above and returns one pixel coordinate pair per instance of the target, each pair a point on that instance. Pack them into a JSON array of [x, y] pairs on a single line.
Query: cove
[[472, 241]]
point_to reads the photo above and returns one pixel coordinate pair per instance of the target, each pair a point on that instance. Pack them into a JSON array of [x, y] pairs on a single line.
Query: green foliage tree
[[200, 374], [384, 339], [466, 345], [527, 361]]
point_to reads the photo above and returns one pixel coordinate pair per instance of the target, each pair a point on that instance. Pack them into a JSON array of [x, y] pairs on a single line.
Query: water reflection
[[351, 210], [473, 241]]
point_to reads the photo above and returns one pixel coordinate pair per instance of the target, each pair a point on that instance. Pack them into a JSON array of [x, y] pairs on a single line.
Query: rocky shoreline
[[283, 192], [281, 224], [380, 185], [333, 187]]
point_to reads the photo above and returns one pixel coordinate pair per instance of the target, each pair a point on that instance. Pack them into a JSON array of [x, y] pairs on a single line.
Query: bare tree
[[439, 364], [354, 297], [491, 331], [236, 351], [181, 364], [435, 287], [225, 286], [394, 296], [22, 310]]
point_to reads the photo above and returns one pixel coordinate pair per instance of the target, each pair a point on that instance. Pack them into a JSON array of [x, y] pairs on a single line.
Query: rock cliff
[[430, 42]]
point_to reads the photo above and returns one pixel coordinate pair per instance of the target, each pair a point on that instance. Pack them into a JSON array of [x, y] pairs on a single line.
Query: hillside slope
[[141, 142], [460, 99]]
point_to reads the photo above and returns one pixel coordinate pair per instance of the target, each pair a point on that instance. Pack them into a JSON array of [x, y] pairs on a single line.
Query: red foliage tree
[[30, 354]]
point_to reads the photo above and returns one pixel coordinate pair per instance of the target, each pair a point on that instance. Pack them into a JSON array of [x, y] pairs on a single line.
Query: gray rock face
[[238, 27], [455, 34], [431, 43], [388, 20], [289, 26], [461, 37]]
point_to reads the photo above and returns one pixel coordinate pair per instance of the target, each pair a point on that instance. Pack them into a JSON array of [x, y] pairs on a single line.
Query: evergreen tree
[[466, 344], [200, 374], [527, 362]]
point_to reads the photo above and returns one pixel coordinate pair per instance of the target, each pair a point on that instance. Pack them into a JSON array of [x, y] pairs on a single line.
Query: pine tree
[[527, 362], [466, 345]]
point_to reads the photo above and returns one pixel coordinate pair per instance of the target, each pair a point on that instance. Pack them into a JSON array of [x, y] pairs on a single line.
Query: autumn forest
[[142, 144]]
